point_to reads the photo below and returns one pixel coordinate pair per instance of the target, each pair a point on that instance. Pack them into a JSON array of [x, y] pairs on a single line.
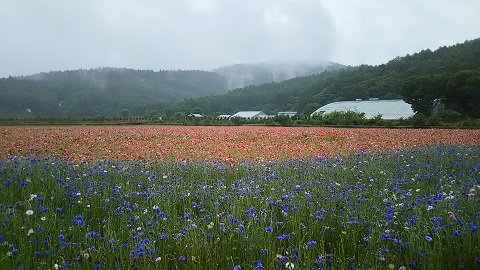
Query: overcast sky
[[40, 36]]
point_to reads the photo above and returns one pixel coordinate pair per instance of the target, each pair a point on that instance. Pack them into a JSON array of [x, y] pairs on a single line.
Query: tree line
[[449, 75]]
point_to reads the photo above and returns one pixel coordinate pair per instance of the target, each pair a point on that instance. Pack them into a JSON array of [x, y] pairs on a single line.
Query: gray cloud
[[204, 34]]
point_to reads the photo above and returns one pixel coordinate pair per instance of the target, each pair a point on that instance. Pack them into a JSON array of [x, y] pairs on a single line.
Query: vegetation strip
[[400, 209]]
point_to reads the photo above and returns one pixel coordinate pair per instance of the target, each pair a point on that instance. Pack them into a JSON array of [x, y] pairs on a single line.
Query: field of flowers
[[91, 143], [238, 198]]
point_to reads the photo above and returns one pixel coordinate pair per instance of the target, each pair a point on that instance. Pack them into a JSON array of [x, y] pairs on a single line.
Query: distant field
[[79, 143], [238, 198]]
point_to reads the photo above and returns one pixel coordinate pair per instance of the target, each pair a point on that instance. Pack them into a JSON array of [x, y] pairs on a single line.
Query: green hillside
[[103, 91], [448, 73]]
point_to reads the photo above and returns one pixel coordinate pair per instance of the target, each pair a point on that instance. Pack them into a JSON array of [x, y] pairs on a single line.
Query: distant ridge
[[242, 75]]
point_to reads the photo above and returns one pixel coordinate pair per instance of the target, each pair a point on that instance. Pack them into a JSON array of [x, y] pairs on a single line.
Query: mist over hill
[[242, 75], [102, 91], [450, 74], [107, 91]]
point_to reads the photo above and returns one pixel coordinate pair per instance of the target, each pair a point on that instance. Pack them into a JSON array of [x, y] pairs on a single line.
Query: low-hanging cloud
[[182, 34], [39, 36]]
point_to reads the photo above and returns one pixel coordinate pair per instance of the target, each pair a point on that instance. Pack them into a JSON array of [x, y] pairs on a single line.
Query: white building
[[250, 114], [291, 114], [388, 109]]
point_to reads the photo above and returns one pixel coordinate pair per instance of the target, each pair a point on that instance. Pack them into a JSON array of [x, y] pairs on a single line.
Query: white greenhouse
[[388, 109]]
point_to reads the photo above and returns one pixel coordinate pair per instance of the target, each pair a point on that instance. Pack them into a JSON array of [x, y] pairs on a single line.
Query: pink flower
[[452, 215]]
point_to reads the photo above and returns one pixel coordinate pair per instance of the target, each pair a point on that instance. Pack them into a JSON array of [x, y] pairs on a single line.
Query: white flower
[[289, 265], [29, 212], [158, 259], [43, 218], [30, 231]]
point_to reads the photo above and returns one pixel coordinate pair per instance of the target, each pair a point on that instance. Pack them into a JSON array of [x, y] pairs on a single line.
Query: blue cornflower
[[258, 263], [263, 251], [428, 238], [237, 267], [181, 258], [269, 229], [61, 236], [473, 226], [311, 243], [283, 236]]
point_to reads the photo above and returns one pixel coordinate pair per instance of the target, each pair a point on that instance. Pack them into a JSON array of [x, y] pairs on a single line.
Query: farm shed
[[250, 114], [291, 114], [389, 109]]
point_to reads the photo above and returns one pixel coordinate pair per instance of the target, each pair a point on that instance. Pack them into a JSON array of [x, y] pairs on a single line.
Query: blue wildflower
[[311, 243], [258, 263]]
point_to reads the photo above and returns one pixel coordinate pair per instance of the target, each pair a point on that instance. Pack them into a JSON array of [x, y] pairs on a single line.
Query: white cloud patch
[[205, 34]]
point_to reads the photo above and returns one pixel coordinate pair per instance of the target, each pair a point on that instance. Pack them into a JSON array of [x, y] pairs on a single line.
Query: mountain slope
[[242, 75], [103, 91], [451, 70], [107, 91]]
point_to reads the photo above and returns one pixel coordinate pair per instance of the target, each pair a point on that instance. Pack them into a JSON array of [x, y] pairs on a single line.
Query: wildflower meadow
[[238, 198]]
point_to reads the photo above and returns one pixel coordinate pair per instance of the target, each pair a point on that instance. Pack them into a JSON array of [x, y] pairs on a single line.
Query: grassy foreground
[[410, 209]]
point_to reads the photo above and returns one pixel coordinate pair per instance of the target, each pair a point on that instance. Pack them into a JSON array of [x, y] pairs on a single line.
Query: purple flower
[[283, 236], [428, 238], [311, 243], [258, 263]]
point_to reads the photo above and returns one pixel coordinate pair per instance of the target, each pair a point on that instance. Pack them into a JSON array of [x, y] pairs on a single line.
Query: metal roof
[[389, 109], [250, 114]]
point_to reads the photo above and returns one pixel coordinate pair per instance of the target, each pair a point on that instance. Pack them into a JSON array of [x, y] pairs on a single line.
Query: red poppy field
[[115, 197], [87, 143]]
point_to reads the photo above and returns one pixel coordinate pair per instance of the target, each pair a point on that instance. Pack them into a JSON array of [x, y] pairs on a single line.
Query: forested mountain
[[102, 91], [451, 74], [108, 91], [242, 75]]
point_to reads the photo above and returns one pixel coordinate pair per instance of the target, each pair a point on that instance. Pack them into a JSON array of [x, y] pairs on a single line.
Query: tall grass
[[411, 209]]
